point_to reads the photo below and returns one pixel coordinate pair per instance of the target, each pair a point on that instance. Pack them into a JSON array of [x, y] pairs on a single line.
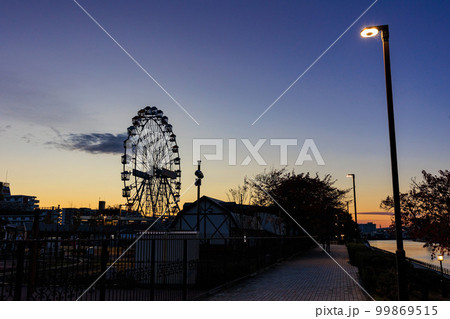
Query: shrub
[[376, 270], [353, 249]]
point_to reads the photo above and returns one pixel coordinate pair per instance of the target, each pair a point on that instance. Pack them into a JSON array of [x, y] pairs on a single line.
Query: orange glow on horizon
[[380, 220]]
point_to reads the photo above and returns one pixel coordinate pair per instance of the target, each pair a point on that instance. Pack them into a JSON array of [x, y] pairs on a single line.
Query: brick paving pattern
[[313, 276]]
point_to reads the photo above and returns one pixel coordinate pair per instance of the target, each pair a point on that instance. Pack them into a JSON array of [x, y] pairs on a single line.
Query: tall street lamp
[[400, 253], [354, 195]]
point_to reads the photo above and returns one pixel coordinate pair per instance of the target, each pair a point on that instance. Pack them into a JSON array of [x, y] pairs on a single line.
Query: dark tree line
[[425, 210], [313, 202]]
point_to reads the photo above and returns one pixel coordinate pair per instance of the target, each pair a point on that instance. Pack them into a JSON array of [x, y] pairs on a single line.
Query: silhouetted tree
[[313, 202], [268, 181], [112, 210], [425, 210], [240, 194]]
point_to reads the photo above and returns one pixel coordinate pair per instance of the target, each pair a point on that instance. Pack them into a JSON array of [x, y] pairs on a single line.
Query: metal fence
[[159, 266], [436, 268]]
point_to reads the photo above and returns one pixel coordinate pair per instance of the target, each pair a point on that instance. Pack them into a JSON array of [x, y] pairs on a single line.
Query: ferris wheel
[[151, 165]]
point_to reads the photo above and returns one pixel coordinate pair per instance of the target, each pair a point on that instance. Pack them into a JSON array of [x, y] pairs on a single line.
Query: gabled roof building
[[219, 221]]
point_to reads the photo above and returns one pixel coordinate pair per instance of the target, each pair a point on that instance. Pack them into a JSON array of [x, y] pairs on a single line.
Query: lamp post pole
[[198, 183], [198, 202], [444, 290], [400, 252], [354, 196]]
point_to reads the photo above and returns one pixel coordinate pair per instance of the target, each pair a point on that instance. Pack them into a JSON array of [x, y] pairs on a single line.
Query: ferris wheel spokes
[[151, 165]]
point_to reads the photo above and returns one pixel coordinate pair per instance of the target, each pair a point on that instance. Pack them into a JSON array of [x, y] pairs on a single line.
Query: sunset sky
[[63, 79]]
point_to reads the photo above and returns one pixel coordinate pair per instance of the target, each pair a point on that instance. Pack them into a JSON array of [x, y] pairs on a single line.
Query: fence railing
[[436, 268], [159, 266]]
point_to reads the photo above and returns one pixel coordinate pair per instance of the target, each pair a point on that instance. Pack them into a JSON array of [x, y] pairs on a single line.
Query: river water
[[413, 249]]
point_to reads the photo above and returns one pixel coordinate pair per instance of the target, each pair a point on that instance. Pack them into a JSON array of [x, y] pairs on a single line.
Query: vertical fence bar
[[115, 254], [123, 243], [260, 259], [185, 268], [54, 265], [152, 271], [33, 268], [3, 274], [19, 270], [103, 262]]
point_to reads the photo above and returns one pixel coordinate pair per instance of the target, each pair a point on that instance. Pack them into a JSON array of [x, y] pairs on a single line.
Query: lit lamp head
[[369, 32], [373, 31], [440, 257], [351, 175]]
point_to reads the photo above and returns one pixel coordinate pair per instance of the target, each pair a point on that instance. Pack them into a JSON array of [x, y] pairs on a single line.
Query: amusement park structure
[[151, 166]]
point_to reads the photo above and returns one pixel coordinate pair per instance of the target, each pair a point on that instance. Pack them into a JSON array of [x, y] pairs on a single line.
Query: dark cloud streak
[[94, 143]]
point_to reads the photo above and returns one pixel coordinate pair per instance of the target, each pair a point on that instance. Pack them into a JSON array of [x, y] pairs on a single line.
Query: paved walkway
[[313, 276]]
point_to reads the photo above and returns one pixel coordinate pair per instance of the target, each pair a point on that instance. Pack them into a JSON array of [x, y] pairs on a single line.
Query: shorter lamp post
[[440, 257], [354, 195], [198, 182]]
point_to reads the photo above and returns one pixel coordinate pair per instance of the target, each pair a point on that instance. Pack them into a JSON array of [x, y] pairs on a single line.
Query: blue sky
[[225, 62]]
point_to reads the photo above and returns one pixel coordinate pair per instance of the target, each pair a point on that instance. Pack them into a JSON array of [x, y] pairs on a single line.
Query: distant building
[[16, 217], [87, 216], [384, 233], [16, 202], [368, 229], [4, 190], [20, 202], [19, 217], [70, 216]]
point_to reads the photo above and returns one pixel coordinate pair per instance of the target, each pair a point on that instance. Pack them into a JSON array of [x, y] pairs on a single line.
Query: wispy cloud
[[4, 128], [27, 138], [95, 143], [33, 102]]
